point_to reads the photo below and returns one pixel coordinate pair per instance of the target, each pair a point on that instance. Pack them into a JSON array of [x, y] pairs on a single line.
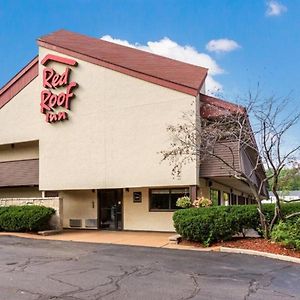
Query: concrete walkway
[[132, 238]]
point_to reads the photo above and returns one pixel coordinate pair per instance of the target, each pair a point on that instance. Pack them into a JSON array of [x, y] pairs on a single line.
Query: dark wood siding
[[212, 166], [19, 173]]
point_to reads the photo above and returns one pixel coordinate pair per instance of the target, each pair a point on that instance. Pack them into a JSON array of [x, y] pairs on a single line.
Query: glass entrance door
[[110, 209]]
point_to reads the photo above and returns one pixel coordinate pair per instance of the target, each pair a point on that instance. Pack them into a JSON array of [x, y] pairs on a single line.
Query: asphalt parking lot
[[39, 269]]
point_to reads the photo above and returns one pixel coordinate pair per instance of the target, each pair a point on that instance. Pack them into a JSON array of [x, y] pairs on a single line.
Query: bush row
[[25, 218], [216, 223]]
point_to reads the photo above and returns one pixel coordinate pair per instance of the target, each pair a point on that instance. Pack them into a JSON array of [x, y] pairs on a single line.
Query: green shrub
[[287, 208], [287, 233], [216, 223], [25, 218], [184, 202], [205, 225]]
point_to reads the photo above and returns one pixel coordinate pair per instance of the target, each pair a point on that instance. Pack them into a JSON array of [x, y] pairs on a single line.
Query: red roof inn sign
[[51, 101]]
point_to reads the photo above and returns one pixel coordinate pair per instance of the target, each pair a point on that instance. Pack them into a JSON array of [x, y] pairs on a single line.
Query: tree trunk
[[263, 221]]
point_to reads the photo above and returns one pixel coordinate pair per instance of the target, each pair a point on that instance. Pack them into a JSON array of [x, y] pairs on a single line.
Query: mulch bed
[[257, 244]]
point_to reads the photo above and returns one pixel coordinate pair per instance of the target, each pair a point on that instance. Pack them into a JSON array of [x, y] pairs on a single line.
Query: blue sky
[[268, 41]]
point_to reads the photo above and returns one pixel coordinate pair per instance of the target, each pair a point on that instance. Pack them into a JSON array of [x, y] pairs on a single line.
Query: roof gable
[[157, 69], [19, 81]]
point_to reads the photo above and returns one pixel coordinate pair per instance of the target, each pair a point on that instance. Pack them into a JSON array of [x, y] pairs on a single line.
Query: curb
[[174, 246], [259, 253]]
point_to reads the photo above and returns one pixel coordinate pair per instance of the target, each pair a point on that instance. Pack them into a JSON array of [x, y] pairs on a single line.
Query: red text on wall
[[57, 96]]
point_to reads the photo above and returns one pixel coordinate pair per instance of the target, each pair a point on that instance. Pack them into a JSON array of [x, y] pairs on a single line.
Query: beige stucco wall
[[138, 217], [20, 116], [19, 151], [79, 205], [20, 192], [117, 127], [115, 130]]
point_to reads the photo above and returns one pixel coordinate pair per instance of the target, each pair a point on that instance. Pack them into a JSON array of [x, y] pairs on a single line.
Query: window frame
[[219, 196], [169, 200]]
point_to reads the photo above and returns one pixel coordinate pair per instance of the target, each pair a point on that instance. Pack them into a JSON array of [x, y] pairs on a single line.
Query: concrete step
[[50, 232], [175, 239]]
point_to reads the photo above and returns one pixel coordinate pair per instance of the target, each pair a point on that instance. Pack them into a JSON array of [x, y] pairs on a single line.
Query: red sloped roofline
[[215, 107], [19, 81], [153, 68], [170, 73]]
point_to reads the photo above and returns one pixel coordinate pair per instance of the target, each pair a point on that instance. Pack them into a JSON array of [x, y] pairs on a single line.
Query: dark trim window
[[215, 197], [226, 198], [233, 199], [241, 200], [51, 194], [165, 199]]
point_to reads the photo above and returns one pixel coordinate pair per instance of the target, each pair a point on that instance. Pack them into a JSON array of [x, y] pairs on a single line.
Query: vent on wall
[[51, 194], [75, 223], [90, 223]]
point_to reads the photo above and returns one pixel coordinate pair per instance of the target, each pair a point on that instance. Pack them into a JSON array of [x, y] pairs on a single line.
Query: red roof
[[160, 70], [156, 69], [214, 107], [19, 81]]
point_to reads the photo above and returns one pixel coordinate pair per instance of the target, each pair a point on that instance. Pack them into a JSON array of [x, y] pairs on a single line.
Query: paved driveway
[[40, 269]]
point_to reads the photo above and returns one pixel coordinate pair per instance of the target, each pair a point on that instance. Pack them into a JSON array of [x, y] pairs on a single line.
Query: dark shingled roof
[[157, 69], [212, 107]]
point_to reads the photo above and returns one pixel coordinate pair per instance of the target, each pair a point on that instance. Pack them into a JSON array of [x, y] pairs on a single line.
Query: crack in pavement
[[196, 290], [77, 271], [265, 282], [252, 288]]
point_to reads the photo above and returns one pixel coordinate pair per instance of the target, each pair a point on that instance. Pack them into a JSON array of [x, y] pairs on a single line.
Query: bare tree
[[198, 138]]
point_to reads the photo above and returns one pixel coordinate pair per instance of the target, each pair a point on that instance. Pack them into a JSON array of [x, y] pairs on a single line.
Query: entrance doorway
[[110, 215]]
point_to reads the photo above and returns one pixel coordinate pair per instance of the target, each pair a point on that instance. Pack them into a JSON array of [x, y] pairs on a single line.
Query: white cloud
[[167, 47], [274, 8], [222, 45]]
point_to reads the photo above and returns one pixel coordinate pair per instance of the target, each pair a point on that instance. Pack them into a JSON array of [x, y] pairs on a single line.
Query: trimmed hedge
[[288, 234], [216, 223], [25, 218]]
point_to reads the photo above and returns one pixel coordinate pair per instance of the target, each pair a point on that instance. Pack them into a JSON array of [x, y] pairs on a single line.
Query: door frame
[[121, 191]]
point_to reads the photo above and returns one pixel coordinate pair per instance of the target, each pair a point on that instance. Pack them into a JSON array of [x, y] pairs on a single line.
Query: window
[[233, 199], [50, 194], [226, 197], [165, 199], [215, 197], [241, 200]]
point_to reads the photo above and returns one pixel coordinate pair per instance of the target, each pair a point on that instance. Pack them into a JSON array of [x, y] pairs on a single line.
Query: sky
[[242, 42]]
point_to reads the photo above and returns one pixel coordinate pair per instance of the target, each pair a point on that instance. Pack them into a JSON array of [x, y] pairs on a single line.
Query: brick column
[[193, 192]]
